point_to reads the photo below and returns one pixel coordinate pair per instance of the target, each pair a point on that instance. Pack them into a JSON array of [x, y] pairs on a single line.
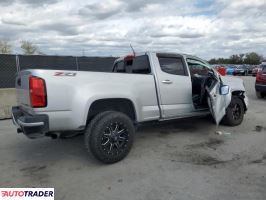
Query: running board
[[194, 114]]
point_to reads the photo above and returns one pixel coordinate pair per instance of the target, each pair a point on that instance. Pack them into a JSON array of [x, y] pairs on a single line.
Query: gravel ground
[[182, 159]]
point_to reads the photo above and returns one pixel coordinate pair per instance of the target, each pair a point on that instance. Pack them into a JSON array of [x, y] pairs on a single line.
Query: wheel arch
[[123, 105]]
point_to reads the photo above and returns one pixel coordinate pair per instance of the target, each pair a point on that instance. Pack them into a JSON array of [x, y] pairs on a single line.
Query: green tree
[[5, 47], [242, 55], [213, 61], [236, 59], [248, 58], [252, 58], [28, 48]]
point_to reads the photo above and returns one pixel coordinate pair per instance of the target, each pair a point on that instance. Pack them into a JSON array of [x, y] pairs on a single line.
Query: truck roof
[[160, 52]]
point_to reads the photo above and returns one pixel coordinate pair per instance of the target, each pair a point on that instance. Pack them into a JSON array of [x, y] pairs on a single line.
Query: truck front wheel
[[110, 137], [235, 112]]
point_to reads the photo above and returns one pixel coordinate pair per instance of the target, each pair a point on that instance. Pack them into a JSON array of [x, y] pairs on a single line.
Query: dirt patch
[[201, 153], [33, 169], [259, 128], [163, 133], [258, 161], [212, 143], [185, 126], [198, 159], [36, 173]]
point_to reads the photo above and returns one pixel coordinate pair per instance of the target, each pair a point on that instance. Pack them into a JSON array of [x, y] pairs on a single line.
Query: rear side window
[[172, 65], [137, 65], [120, 67], [141, 65]]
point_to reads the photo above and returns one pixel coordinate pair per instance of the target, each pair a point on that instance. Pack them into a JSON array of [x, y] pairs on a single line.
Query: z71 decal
[[65, 74]]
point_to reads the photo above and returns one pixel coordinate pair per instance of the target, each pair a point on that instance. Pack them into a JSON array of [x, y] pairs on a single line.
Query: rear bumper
[[260, 87], [33, 126]]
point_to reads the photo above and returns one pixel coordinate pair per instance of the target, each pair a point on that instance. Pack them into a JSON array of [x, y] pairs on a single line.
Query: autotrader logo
[[26, 193]]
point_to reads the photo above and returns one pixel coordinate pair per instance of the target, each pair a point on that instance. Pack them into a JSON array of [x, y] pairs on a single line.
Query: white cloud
[[206, 28]]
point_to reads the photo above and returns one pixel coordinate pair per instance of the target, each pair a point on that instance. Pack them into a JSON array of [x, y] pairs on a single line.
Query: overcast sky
[[206, 28]]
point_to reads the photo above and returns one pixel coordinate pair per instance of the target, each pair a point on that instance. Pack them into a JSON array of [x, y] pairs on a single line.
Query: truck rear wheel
[[109, 137], [235, 112]]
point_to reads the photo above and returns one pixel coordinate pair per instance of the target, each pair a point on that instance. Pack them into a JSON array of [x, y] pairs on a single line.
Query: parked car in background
[[255, 70], [239, 71], [250, 69], [230, 70], [221, 69], [260, 84], [243, 70]]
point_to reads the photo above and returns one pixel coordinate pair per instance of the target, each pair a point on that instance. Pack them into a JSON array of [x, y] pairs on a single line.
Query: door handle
[[167, 82]]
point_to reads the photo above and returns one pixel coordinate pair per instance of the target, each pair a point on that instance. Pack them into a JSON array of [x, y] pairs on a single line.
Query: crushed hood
[[234, 83]]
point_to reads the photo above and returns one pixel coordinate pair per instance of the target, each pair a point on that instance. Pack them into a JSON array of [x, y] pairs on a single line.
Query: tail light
[[37, 92]]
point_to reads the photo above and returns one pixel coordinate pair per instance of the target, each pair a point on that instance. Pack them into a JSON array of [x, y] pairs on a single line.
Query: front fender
[[236, 87]]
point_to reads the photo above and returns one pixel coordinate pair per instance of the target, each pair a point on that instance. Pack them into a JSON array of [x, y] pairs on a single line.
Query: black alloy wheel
[[115, 138], [234, 112], [109, 137]]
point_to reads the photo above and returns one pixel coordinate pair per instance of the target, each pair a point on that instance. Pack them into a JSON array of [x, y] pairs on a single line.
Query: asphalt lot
[[182, 159]]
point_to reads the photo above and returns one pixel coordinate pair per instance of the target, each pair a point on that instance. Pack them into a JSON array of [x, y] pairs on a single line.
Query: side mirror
[[224, 90]]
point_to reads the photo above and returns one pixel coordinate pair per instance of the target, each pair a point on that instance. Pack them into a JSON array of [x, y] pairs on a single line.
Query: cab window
[[172, 65]]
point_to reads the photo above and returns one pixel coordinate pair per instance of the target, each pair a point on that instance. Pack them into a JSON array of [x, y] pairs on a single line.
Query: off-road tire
[[90, 127], [234, 113], [102, 125]]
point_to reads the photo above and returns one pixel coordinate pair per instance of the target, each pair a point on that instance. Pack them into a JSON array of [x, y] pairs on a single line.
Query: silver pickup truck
[[106, 106]]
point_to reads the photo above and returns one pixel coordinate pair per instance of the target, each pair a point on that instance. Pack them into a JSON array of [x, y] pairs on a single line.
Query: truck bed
[[70, 93]]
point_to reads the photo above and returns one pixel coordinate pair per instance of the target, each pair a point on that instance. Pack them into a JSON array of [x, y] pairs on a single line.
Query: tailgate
[[22, 88]]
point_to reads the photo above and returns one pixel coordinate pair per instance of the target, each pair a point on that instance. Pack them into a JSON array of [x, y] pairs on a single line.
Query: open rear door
[[219, 99]]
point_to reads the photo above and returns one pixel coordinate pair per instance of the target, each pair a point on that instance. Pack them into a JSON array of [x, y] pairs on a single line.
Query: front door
[[219, 98], [174, 84]]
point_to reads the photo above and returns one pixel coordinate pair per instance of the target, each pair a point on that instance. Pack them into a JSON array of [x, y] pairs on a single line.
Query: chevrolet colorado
[[106, 106]]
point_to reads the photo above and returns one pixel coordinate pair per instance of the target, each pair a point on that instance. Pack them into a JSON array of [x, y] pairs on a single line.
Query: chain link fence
[[95, 64], [8, 70], [11, 64]]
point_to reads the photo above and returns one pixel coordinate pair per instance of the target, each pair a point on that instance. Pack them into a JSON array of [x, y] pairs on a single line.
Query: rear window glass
[[141, 65], [138, 65], [120, 67]]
